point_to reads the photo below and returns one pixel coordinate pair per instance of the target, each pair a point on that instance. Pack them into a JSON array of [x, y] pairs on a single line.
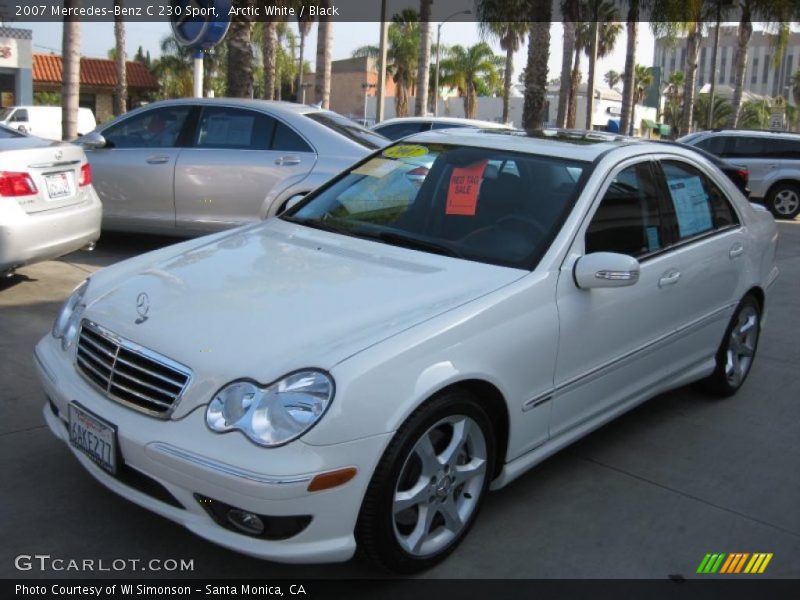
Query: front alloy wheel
[[429, 484]]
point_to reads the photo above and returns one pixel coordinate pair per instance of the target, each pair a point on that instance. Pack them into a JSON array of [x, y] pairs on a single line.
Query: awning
[[613, 126], [664, 129], [650, 124]]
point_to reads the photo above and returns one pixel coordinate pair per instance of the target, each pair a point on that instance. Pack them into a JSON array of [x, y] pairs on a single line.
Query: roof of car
[[273, 105], [748, 132], [574, 144], [454, 120]]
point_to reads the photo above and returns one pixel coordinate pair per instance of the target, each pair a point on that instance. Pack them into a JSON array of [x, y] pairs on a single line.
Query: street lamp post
[[304, 87], [438, 44]]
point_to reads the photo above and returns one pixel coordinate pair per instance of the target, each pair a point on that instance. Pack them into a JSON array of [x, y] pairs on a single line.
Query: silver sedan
[[48, 206], [193, 166]]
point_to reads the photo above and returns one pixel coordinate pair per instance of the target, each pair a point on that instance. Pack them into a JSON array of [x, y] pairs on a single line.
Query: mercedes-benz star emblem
[[142, 307], [58, 155]]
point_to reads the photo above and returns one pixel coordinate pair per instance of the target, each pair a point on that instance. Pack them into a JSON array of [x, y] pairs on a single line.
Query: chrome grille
[[128, 373]]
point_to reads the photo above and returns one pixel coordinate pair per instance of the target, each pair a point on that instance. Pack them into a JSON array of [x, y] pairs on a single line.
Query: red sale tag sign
[[462, 194]]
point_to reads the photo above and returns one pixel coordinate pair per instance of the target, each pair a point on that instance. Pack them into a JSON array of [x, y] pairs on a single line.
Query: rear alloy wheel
[[428, 487], [784, 200], [738, 350]]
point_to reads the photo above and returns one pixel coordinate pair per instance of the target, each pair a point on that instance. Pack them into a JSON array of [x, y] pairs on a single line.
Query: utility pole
[[381, 95], [710, 112]]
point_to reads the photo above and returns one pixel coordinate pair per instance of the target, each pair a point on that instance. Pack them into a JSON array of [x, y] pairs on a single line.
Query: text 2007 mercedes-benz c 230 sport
[[427, 326]]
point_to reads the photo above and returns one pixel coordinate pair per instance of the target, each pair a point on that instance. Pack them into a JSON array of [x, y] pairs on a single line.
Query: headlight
[[67, 323], [275, 414]]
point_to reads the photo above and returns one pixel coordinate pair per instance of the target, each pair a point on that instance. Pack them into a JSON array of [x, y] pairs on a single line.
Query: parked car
[[738, 174], [362, 369], [401, 127], [44, 121], [194, 166], [772, 159], [48, 206]]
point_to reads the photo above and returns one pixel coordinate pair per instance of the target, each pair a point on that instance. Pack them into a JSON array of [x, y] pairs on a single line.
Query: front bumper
[[189, 461], [28, 238]]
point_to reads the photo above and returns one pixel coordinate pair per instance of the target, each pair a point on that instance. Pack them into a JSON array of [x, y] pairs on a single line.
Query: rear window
[[349, 129]]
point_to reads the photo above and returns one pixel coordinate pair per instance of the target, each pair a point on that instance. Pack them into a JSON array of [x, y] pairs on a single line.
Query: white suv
[[772, 158]]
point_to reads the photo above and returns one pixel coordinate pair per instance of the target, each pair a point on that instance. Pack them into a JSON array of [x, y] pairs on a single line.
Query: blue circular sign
[[199, 24]]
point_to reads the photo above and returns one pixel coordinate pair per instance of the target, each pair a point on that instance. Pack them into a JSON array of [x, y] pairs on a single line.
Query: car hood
[[263, 301]]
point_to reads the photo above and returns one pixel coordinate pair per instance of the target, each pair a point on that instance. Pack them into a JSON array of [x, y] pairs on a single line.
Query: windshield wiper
[[400, 239]]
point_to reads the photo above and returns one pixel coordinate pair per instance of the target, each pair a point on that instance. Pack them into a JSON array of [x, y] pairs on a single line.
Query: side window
[[448, 126], [157, 128], [395, 131], [740, 146], [699, 205], [20, 116], [627, 220], [714, 144], [286, 140], [234, 129]]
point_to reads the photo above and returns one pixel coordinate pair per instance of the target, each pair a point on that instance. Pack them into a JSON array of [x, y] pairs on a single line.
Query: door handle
[[669, 278], [287, 161], [736, 250], [157, 160]]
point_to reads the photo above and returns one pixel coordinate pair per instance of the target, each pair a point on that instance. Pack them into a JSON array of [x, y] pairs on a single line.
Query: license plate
[[93, 436], [57, 185]]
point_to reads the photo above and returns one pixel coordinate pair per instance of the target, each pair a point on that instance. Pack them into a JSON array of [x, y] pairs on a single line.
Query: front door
[[614, 342], [134, 174]]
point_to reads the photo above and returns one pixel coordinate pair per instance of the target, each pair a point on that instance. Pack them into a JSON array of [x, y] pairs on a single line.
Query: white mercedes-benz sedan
[[427, 326]]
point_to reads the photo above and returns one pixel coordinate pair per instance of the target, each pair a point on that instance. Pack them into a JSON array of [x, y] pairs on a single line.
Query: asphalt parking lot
[[646, 496]]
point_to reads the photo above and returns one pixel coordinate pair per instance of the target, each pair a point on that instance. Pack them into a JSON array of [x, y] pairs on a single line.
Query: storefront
[[16, 86]]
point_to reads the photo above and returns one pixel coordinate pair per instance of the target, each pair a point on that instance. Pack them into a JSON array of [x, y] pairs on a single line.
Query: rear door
[[236, 157], [134, 175], [756, 153]]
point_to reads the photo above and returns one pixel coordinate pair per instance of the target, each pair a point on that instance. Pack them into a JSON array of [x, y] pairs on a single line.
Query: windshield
[[349, 129], [480, 204]]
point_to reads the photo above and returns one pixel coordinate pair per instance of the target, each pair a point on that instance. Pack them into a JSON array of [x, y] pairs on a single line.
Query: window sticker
[[377, 167], [691, 205], [462, 193], [405, 151]]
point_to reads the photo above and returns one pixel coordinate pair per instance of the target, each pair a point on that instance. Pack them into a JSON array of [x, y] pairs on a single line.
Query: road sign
[[776, 121]]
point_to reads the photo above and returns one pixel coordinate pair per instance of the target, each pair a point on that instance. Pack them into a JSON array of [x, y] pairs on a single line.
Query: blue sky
[[98, 38]]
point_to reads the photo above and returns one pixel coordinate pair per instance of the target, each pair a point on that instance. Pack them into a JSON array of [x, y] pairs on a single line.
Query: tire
[[737, 351], [784, 200], [419, 505]]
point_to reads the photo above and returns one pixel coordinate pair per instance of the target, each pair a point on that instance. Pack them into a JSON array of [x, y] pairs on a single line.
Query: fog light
[[246, 521]]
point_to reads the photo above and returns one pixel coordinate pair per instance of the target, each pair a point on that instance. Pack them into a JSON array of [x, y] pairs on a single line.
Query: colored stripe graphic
[[711, 563], [734, 562]]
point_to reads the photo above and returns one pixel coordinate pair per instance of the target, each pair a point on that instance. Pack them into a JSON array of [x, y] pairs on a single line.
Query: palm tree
[[464, 67], [401, 56], [240, 54], [510, 35], [644, 79], [424, 59], [304, 24], [174, 69], [612, 78], [629, 74], [569, 9], [535, 102], [755, 114], [121, 91], [285, 60], [607, 34], [71, 74], [322, 80], [722, 112], [269, 55], [795, 81]]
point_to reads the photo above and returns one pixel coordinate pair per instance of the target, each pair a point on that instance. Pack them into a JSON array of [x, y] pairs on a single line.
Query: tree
[[322, 80], [644, 79], [535, 102], [672, 108], [612, 78], [121, 91], [304, 24], [174, 69], [463, 68], [510, 35], [269, 56], [569, 9], [755, 114], [240, 53], [722, 112], [795, 81], [629, 74], [401, 56], [424, 58], [71, 73]]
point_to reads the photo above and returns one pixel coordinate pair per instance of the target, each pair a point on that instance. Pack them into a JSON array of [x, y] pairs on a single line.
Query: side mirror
[[606, 270], [92, 141]]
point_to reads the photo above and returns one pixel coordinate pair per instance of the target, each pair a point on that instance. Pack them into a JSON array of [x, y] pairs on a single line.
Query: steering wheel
[[527, 221]]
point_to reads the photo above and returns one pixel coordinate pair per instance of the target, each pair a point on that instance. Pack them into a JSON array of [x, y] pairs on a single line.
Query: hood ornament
[[142, 307]]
